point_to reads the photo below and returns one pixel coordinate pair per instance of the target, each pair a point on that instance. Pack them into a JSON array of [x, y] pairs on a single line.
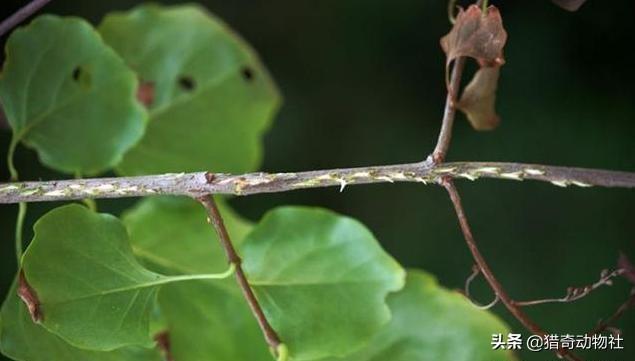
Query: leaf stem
[[19, 226], [13, 172], [215, 218], [19, 16]]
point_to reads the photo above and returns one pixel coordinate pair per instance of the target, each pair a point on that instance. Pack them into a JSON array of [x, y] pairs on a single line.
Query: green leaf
[[211, 321], [171, 235], [321, 278], [92, 291], [212, 98], [430, 323], [69, 96], [23, 340], [206, 320]]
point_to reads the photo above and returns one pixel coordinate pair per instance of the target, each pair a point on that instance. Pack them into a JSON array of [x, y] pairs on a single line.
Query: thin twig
[[214, 218], [576, 293], [200, 183], [603, 325], [509, 303], [475, 272], [19, 16]]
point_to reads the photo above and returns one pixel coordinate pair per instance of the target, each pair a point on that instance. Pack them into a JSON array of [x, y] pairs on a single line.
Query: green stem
[[484, 6], [12, 170], [209, 276], [283, 352], [19, 225]]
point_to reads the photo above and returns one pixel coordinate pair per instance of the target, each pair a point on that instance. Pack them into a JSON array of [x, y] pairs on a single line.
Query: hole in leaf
[[247, 73], [81, 76], [187, 83], [77, 72]]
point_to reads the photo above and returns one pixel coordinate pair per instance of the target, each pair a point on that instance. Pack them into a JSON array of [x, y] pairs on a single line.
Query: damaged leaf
[[106, 307], [477, 35], [479, 99], [29, 297], [22, 339], [570, 5]]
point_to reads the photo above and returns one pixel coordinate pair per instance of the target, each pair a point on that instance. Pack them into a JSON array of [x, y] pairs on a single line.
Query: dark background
[[363, 85]]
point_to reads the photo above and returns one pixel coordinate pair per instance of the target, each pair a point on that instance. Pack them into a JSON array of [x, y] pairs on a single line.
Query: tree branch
[[19, 16], [500, 292], [214, 218], [202, 183]]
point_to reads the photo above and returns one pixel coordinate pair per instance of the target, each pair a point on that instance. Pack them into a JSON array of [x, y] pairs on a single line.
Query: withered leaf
[[628, 267], [477, 35], [479, 98], [571, 5]]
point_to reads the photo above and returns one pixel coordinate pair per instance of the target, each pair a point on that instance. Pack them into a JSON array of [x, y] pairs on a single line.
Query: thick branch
[[202, 183], [216, 220], [19, 16], [509, 303]]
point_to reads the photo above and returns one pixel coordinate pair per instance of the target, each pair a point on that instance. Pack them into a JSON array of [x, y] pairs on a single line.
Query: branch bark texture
[[202, 183]]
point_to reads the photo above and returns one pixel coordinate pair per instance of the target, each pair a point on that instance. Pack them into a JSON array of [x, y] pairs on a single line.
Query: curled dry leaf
[[479, 98], [571, 5], [477, 35]]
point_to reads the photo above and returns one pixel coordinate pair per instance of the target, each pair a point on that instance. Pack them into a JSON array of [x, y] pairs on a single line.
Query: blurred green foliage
[[363, 84]]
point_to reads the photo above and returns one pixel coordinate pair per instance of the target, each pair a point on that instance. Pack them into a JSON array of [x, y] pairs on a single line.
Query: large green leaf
[[430, 323], [92, 291], [69, 96], [206, 320], [212, 98], [321, 278], [23, 340]]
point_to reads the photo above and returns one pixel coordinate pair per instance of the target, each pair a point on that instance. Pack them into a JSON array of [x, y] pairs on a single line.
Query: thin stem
[[447, 123], [13, 172], [202, 183], [576, 293], [215, 218], [602, 326], [19, 16], [19, 226], [487, 272]]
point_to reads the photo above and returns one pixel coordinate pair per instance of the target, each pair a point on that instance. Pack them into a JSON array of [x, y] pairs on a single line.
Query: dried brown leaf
[[29, 297], [571, 5], [477, 35], [479, 99]]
